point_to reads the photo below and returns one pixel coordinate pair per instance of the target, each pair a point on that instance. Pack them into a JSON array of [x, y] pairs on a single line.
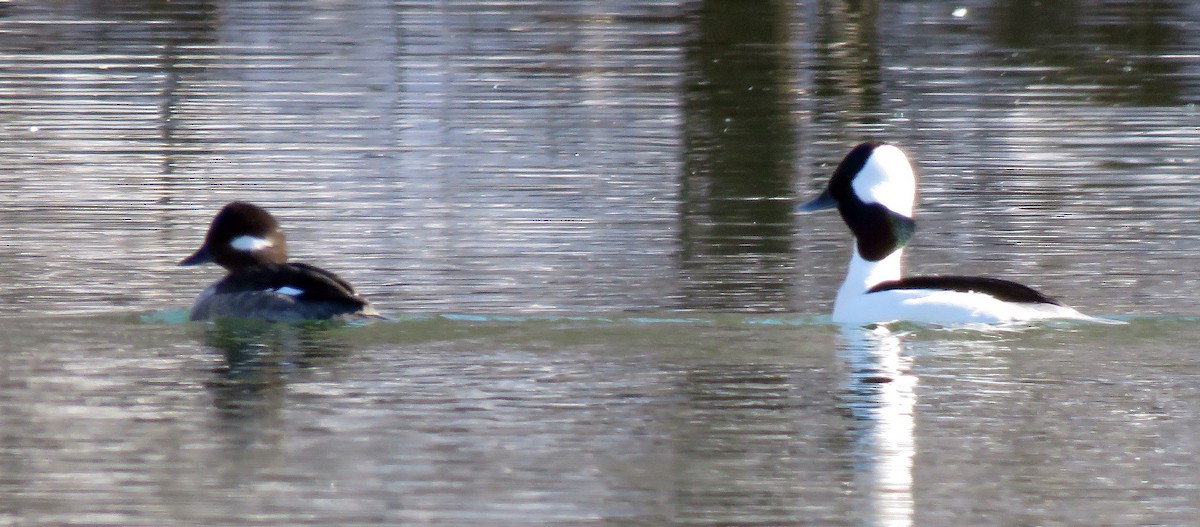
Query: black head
[[241, 235], [874, 190]]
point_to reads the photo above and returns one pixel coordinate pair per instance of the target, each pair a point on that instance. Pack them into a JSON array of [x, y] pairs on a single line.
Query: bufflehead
[[245, 239], [874, 189]]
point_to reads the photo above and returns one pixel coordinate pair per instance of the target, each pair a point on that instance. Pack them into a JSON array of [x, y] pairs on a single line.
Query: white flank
[[249, 243], [932, 306], [887, 179], [289, 291], [928, 306]]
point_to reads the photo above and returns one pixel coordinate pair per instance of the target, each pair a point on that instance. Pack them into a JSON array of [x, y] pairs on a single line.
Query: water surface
[[581, 216]]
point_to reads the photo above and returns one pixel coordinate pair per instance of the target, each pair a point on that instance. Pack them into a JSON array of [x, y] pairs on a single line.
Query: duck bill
[[822, 202], [201, 256]]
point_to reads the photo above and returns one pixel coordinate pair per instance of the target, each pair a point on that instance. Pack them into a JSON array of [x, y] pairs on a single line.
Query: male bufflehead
[[247, 242], [874, 189]]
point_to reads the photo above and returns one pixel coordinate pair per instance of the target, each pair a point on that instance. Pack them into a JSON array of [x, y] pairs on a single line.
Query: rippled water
[[580, 215]]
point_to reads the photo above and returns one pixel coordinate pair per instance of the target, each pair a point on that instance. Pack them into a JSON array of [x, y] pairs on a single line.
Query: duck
[[260, 283], [874, 189]]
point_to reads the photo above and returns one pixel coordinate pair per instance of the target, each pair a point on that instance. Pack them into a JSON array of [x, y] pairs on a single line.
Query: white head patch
[[250, 244], [887, 179], [289, 291]]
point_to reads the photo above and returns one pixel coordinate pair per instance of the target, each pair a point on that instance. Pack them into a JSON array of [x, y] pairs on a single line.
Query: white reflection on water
[[881, 395]]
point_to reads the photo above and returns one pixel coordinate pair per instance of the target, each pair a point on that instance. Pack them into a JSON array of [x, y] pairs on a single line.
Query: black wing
[[326, 275], [1001, 289], [312, 283]]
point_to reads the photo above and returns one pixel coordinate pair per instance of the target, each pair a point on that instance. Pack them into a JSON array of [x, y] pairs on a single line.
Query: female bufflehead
[[874, 189], [247, 242]]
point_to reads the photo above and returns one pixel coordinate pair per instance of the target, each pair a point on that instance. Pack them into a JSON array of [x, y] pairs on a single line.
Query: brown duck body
[[246, 240]]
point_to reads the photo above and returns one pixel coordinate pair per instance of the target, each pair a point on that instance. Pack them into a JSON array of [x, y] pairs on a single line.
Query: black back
[[1001, 289], [316, 284]]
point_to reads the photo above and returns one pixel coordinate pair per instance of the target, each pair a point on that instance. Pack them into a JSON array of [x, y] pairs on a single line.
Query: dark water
[[580, 214]]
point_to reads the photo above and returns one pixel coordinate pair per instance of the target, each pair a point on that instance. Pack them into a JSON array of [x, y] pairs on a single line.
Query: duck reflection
[[259, 358], [880, 395]]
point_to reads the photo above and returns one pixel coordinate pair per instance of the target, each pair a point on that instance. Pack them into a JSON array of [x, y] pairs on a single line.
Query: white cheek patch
[[289, 291], [887, 179], [250, 243]]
